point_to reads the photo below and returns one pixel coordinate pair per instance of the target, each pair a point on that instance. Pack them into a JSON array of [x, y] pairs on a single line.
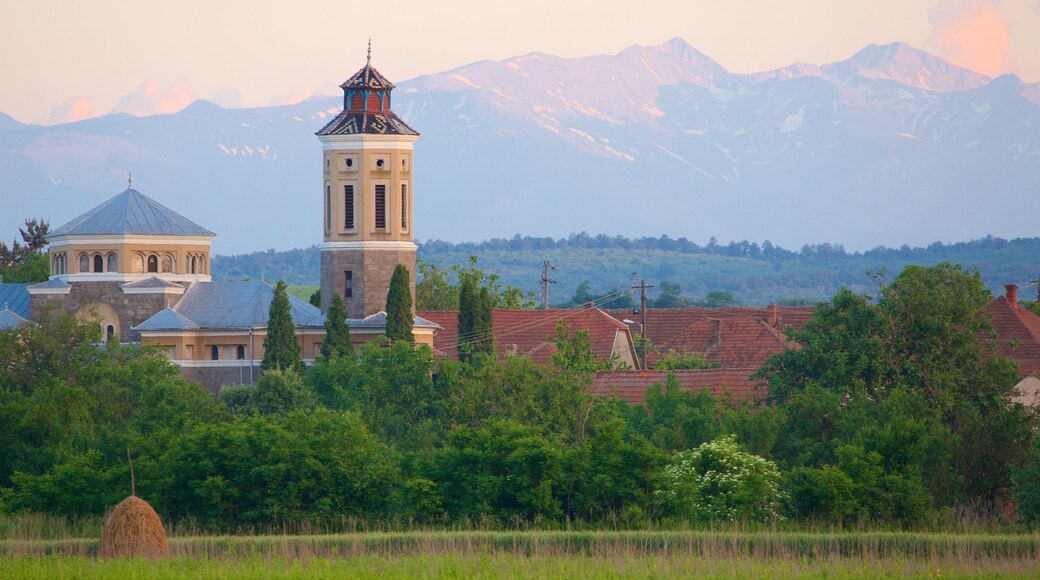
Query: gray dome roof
[[131, 212]]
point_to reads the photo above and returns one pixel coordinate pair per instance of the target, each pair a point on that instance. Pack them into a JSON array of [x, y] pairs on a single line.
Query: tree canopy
[[399, 315], [281, 349]]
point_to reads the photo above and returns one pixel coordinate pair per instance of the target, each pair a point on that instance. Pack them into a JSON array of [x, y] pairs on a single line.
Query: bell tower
[[367, 196]]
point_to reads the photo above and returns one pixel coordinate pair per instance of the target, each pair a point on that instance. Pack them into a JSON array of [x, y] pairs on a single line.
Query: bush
[[721, 481]]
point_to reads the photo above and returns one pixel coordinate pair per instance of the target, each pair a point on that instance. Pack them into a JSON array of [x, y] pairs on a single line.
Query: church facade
[[143, 270]]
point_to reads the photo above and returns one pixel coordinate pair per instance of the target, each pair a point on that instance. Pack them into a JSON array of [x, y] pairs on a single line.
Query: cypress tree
[[399, 307], [337, 333], [281, 350], [475, 320]]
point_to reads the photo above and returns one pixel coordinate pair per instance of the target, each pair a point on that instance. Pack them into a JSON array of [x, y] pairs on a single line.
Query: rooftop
[[131, 212], [733, 383]]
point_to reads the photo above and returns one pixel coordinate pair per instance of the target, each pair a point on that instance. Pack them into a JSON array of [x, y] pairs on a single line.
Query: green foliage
[[674, 419], [399, 316], [26, 263], [669, 295], [905, 378], [434, 289], [476, 319], [672, 360], [1026, 479], [277, 392], [720, 481], [574, 351], [315, 298], [312, 465], [717, 299], [281, 349], [337, 333]]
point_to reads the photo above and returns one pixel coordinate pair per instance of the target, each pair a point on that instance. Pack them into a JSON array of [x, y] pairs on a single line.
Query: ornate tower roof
[[366, 106], [131, 212]]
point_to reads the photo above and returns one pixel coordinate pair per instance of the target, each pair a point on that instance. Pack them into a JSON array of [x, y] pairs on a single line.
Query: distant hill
[[889, 146], [753, 273]]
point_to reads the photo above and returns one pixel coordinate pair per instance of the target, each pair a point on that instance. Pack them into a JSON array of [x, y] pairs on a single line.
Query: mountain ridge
[[854, 152]]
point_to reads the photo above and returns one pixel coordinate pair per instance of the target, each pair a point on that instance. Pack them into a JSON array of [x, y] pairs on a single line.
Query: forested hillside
[[750, 272]]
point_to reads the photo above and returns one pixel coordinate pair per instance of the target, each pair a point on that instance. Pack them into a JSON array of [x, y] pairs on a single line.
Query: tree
[[476, 332], [26, 263], [281, 349], [337, 332], [399, 317], [721, 481], [434, 289]]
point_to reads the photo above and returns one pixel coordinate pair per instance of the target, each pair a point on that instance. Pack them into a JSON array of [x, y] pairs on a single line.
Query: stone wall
[[372, 270], [131, 309]]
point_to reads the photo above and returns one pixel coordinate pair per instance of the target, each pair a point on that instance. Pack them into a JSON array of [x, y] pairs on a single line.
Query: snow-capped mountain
[[891, 146]]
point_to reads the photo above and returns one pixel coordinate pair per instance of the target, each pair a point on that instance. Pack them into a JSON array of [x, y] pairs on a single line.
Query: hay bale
[[133, 529]]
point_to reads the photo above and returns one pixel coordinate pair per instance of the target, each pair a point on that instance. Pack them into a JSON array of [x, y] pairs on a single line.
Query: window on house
[[113, 262], [194, 265], [348, 284], [404, 206], [84, 263], [99, 263], [241, 354], [349, 162], [167, 264], [110, 332], [153, 263], [348, 207], [214, 353], [328, 207], [380, 207]]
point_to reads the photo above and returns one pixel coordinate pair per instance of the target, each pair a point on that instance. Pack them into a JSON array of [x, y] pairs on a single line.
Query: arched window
[[138, 263], [214, 353], [241, 352], [84, 263], [113, 262], [167, 264], [153, 263], [61, 264], [110, 332], [99, 263], [202, 264], [194, 265]]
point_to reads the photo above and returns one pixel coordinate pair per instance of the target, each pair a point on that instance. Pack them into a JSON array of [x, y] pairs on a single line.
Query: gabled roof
[[531, 332], [167, 319], [152, 282], [217, 305], [728, 342], [734, 383], [52, 283], [16, 298], [9, 319], [1017, 334], [131, 212]]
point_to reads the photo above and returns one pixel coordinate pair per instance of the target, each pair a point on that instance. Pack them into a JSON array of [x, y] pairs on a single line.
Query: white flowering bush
[[721, 481]]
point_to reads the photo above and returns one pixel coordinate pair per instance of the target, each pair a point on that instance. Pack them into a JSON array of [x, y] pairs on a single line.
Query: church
[[144, 270]]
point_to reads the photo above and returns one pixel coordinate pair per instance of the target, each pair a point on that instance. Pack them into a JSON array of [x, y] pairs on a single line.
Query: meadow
[[46, 547]]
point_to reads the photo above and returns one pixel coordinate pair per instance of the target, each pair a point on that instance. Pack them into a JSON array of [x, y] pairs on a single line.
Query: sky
[[66, 60]]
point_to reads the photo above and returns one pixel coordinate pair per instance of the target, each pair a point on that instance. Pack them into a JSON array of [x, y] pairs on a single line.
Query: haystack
[[133, 529]]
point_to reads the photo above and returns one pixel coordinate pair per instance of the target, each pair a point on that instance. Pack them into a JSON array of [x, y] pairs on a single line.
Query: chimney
[[716, 332], [1011, 293], [774, 316]]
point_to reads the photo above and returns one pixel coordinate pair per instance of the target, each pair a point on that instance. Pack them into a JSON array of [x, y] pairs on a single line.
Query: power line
[[546, 280]]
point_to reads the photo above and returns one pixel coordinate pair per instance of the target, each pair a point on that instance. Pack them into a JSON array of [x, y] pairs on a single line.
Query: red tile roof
[[631, 386], [530, 332], [1017, 334], [728, 342], [663, 324]]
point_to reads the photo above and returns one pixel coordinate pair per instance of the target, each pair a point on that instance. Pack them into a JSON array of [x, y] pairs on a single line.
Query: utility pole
[[642, 324], [1037, 282], [546, 280]]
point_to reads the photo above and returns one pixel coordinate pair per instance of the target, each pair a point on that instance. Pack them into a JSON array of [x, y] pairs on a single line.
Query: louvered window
[[328, 207], [380, 207], [348, 207], [404, 206]]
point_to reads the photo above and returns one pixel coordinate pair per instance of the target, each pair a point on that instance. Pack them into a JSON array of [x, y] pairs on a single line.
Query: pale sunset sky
[[65, 60]]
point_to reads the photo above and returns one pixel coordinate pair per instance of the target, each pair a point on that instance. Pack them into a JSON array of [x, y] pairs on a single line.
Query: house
[[531, 332]]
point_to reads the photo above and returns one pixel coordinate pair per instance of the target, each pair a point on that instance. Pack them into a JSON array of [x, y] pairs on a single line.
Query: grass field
[[31, 551]]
